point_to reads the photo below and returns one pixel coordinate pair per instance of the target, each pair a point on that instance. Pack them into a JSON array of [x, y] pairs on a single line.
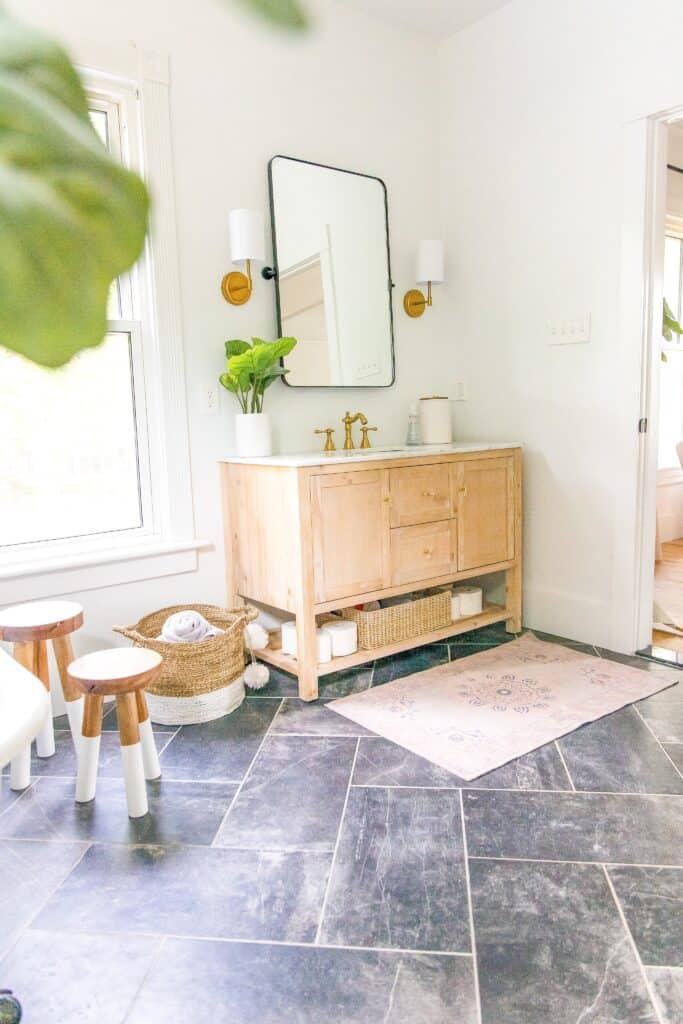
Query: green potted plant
[[251, 369]]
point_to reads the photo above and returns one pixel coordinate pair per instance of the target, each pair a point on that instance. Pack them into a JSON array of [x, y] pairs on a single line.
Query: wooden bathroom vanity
[[310, 534]]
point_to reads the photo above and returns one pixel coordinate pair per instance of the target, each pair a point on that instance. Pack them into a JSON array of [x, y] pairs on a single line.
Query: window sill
[[65, 573]]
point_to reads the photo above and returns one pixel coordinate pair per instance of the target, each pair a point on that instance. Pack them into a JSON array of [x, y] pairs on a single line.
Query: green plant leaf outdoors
[[71, 218], [283, 13], [253, 368]]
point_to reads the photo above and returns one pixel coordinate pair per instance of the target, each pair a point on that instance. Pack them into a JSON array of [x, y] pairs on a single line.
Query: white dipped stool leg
[[150, 757], [89, 749], [131, 755], [73, 698], [20, 769]]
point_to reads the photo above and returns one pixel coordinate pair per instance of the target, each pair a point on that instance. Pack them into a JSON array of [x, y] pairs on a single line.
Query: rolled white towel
[[187, 628]]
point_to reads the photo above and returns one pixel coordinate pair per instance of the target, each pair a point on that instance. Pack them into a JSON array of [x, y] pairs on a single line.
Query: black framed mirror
[[333, 274]]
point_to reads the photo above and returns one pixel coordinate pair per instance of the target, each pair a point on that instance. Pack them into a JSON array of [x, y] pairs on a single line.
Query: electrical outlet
[[569, 332], [459, 394], [210, 399]]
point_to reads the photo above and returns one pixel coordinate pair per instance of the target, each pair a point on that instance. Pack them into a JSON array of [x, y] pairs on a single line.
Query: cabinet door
[[484, 492], [351, 527], [423, 552], [420, 494]]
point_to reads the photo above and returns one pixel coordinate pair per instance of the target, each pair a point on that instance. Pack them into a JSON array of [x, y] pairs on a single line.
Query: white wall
[[535, 106], [356, 93]]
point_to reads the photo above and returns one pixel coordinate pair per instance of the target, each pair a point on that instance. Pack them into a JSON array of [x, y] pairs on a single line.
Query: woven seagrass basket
[[400, 621], [198, 681]]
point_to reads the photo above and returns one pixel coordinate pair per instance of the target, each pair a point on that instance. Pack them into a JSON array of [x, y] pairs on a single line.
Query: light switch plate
[[569, 331]]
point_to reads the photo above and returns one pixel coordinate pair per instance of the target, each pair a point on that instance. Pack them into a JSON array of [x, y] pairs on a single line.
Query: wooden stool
[[122, 672], [29, 627]]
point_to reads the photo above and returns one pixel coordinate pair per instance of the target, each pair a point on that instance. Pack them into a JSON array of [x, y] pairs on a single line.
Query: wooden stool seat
[[122, 672], [119, 670], [29, 627], [40, 620]]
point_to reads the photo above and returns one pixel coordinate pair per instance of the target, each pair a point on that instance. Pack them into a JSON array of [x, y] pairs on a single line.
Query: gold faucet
[[348, 421]]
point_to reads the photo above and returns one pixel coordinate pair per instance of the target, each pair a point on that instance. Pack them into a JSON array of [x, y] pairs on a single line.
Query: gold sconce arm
[[237, 287], [415, 303]]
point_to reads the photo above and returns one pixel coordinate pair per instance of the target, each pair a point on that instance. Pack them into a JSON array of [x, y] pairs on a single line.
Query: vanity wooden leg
[[513, 599], [307, 648]]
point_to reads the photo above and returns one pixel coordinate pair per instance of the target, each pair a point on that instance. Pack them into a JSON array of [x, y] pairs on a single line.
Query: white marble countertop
[[320, 458]]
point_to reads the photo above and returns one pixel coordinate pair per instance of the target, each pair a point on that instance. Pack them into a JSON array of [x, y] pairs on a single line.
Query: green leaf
[[228, 382], [235, 347], [283, 13], [71, 218], [670, 324], [283, 347], [272, 376]]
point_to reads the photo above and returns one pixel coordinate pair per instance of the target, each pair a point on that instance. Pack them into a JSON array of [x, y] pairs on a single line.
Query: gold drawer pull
[[431, 494], [428, 552]]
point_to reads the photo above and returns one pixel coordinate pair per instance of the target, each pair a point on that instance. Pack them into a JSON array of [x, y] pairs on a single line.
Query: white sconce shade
[[430, 262], [247, 236]]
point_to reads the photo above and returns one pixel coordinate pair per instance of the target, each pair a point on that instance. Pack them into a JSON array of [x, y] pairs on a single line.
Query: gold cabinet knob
[[428, 552], [329, 443]]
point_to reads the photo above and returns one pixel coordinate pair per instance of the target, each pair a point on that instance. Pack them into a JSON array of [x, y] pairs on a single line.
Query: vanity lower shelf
[[492, 613]]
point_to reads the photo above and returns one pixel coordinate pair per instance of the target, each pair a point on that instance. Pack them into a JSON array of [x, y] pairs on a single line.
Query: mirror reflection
[[331, 244]]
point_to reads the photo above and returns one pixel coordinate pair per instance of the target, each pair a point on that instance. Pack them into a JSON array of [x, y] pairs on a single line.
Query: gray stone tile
[[672, 675], [219, 751], [30, 873], [63, 761], [618, 754], [551, 638], [408, 662], [551, 947], [667, 989], [349, 680], [675, 752], [293, 797], [280, 684], [383, 763], [191, 891], [575, 826], [9, 796], [398, 879], [652, 901], [243, 984], [314, 718], [466, 650], [663, 712], [493, 635], [188, 812], [77, 979]]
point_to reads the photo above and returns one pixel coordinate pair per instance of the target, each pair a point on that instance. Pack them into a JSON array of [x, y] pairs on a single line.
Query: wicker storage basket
[[198, 681], [401, 621]]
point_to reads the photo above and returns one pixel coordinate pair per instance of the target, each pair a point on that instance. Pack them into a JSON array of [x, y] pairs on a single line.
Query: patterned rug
[[475, 714]]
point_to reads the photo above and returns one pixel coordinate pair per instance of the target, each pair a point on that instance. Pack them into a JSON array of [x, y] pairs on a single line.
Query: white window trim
[[171, 547]]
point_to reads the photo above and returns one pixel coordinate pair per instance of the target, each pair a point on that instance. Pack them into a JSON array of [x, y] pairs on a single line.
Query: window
[[671, 370], [84, 478]]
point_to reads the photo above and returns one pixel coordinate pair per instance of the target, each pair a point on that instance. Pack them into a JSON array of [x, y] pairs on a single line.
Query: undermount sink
[[369, 451]]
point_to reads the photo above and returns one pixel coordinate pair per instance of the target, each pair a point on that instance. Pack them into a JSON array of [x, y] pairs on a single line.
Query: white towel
[[187, 628]]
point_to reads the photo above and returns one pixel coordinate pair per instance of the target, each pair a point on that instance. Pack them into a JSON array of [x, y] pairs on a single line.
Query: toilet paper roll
[[289, 638], [471, 600], [324, 642], [344, 637], [455, 607]]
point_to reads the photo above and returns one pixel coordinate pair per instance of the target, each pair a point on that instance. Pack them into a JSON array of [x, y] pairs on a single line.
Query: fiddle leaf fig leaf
[[283, 13], [71, 218], [235, 347]]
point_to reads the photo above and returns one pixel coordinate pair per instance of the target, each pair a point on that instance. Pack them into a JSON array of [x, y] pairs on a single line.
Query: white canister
[[344, 637], [289, 638], [455, 606], [471, 600], [324, 645], [435, 420], [252, 434]]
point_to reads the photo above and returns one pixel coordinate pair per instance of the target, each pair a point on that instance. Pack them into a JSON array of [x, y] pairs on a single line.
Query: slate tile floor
[[295, 867]]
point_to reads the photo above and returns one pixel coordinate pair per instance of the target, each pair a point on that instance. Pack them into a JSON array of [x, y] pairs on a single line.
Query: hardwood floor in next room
[[295, 867], [669, 569]]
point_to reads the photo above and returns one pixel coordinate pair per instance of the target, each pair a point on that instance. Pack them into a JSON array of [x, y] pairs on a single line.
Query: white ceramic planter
[[252, 433]]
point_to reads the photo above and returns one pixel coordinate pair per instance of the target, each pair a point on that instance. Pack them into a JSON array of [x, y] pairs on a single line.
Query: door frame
[[636, 393]]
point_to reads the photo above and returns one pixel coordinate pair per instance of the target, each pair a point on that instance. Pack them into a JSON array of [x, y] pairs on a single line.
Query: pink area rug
[[475, 714]]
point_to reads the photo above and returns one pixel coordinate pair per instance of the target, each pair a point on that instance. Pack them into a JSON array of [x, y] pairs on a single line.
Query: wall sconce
[[430, 271], [247, 243]]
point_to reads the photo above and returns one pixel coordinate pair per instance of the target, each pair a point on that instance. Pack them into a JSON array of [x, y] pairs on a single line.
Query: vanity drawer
[[424, 551], [420, 495]]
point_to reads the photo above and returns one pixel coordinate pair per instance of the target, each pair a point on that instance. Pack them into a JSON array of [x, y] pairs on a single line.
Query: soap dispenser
[[413, 436]]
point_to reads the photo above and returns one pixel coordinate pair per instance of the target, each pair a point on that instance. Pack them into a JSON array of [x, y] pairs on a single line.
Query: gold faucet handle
[[329, 443], [365, 443]]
